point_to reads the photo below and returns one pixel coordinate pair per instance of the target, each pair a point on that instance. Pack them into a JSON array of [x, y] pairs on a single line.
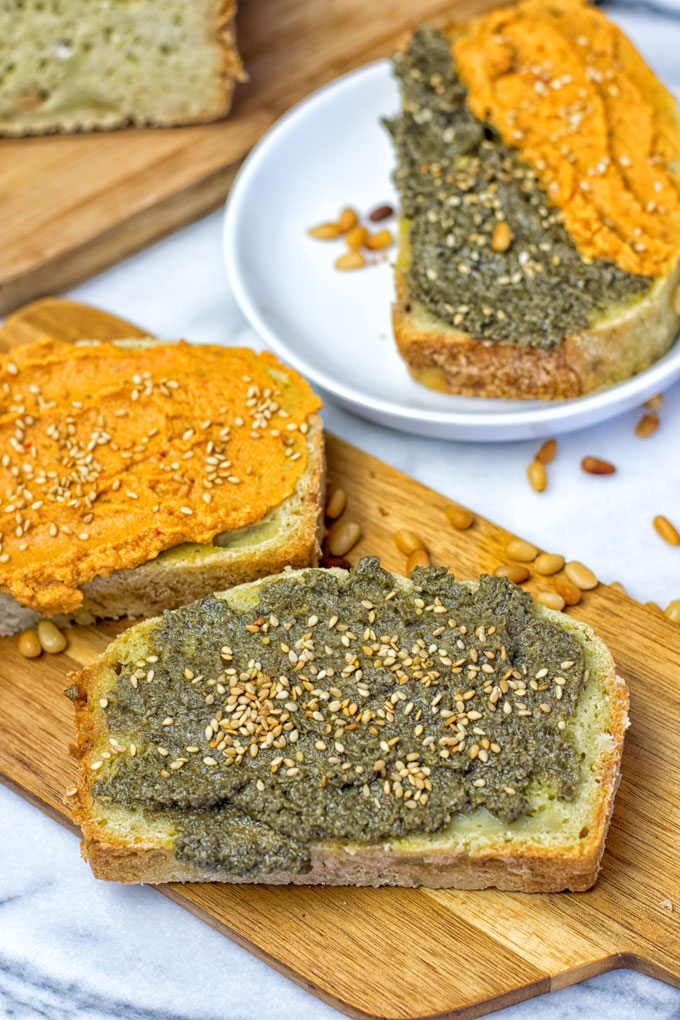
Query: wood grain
[[73, 205], [407, 953]]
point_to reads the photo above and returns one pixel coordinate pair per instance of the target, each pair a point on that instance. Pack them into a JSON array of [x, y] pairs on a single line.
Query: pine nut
[[356, 237], [336, 504], [350, 260], [347, 219], [595, 466], [547, 452], [407, 541], [513, 571], [538, 479], [502, 237], [580, 575], [551, 599], [51, 638], [342, 536], [654, 403], [378, 241], [459, 516], [569, 592], [29, 645], [520, 550], [672, 611], [381, 212], [325, 232], [335, 561], [668, 531], [418, 558], [655, 607], [549, 563], [676, 300], [617, 586], [647, 425]]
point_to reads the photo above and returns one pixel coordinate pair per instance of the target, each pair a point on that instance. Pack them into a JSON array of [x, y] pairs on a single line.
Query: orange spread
[[565, 86], [110, 455]]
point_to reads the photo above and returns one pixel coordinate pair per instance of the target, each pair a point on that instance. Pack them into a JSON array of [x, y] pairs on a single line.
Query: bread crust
[[531, 868], [616, 349]]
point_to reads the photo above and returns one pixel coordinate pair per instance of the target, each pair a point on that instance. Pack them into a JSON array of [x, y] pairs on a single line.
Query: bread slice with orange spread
[[352, 728], [138, 475], [539, 174]]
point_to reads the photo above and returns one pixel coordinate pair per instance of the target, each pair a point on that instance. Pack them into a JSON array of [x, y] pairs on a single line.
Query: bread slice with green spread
[[352, 728], [539, 177], [101, 64]]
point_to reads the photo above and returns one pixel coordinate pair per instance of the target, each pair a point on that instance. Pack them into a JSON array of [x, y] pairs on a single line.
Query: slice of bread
[[555, 844], [98, 64], [289, 535]]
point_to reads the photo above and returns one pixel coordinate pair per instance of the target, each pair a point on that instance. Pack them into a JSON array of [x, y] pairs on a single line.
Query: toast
[[511, 280], [168, 815], [180, 568], [92, 64]]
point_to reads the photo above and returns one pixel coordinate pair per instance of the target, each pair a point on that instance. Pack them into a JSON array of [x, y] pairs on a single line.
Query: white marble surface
[[71, 947]]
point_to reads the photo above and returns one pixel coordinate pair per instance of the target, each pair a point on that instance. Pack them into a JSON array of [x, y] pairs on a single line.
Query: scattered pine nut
[[548, 563], [595, 466], [335, 561], [355, 237], [655, 607], [51, 638], [672, 611], [342, 536], [551, 599], [350, 260], [325, 232], [580, 575], [336, 504], [381, 239], [654, 403], [407, 541], [569, 592], [668, 531], [459, 516], [418, 558], [617, 586], [347, 219], [547, 452], [502, 237], [513, 571], [538, 478], [381, 212], [520, 550], [647, 425], [29, 645]]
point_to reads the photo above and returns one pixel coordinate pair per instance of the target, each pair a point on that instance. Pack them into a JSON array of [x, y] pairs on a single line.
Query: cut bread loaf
[[289, 534], [99, 64], [556, 843]]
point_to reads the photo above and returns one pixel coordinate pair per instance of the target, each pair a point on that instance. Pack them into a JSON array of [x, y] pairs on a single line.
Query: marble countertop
[[72, 947]]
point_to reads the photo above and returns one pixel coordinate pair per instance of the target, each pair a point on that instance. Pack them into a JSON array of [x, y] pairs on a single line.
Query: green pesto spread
[[341, 708], [457, 180]]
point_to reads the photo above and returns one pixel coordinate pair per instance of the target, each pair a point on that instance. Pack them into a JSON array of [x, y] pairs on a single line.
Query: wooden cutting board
[[72, 205], [412, 953]]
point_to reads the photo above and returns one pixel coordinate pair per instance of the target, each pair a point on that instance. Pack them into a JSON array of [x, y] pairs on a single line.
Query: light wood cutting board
[[412, 953], [72, 205]]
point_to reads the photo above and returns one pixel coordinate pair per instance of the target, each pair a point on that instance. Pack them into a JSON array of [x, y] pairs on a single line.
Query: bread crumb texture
[[112, 453], [564, 85]]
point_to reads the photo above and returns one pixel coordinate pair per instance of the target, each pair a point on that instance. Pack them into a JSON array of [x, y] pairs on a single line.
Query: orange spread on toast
[[565, 86], [110, 454]]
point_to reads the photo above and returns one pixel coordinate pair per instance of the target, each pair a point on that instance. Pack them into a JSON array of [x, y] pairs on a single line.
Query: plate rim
[[562, 415]]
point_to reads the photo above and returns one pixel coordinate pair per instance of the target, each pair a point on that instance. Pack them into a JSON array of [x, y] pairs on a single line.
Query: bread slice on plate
[[540, 239], [179, 505], [97, 64], [352, 728]]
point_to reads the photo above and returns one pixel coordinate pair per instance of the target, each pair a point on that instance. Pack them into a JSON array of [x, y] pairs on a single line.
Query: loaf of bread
[[139, 475], [539, 174], [89, 64], [352, 728]]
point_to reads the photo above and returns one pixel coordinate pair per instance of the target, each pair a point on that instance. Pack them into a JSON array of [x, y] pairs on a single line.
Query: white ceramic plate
[[334, 327]]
